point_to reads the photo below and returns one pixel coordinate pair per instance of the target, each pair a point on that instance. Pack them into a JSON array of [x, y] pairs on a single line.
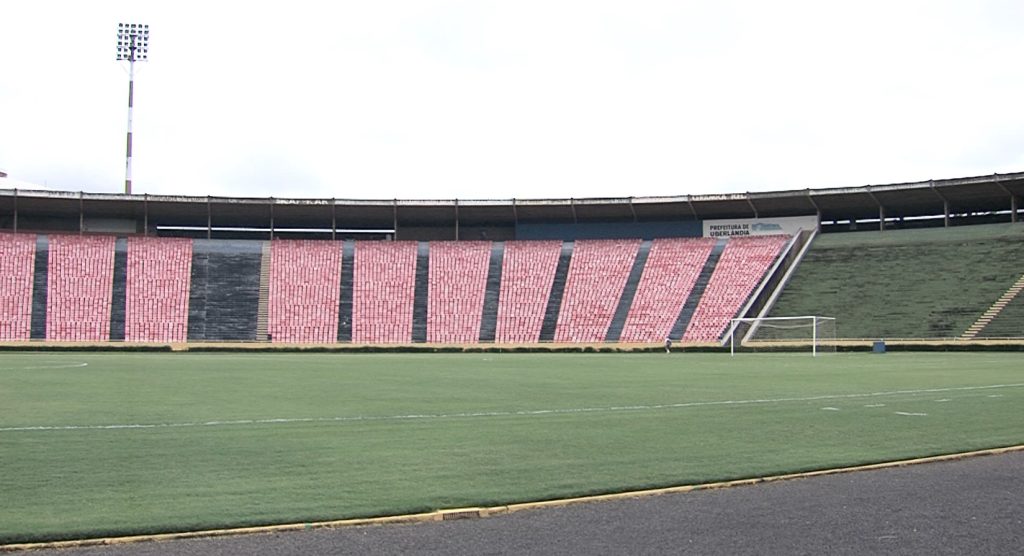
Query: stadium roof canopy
[[960, 196]]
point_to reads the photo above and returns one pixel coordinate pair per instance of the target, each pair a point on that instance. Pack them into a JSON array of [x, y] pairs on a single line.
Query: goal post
[[812, 333]]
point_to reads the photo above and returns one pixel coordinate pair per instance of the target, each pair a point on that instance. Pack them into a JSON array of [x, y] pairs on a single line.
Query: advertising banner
[[759, 226]]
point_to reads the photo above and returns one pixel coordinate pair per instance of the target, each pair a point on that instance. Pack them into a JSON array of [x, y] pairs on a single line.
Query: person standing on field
[[668, 345]]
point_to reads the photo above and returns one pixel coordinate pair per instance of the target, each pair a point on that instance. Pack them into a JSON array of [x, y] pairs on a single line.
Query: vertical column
[[128, 155]]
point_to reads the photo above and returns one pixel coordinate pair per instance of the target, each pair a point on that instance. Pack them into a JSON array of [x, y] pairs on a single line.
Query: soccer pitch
[[108, 444]]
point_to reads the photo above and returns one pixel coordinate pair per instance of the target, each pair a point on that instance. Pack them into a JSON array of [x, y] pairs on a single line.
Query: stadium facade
[[85, 267]]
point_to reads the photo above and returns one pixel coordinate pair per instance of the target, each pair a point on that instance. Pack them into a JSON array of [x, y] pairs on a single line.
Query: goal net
[[812, 334]]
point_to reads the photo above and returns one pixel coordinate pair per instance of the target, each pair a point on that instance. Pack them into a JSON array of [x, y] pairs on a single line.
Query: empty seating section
[[181, 290], [79, 288], [457, 284], [597, 275], [669, 275], [740, 268], [17, 252], [156, 294], [305, 281], [528, 269], [383, 291]]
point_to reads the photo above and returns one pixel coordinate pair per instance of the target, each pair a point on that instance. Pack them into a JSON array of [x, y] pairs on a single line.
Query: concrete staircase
[[994, 310], [262, 312]]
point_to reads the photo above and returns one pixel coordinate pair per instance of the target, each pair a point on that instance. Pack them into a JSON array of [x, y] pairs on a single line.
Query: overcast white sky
[[477, 99]]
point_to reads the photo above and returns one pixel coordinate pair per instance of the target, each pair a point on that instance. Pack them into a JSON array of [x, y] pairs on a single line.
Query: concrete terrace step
[[992, 312]]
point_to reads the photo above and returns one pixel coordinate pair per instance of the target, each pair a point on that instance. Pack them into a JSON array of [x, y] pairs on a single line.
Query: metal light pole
[[132, 45]]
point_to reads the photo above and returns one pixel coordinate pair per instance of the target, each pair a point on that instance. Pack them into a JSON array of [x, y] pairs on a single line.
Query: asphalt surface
[[970, 506]]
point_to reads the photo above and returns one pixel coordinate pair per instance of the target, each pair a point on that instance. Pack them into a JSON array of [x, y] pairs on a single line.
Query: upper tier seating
[[156, 294], [740, 269], [305, 281], [597, 275], [384, 288], [528, 269], [17, 254], [457, 284], [79, 289], [669, 275]]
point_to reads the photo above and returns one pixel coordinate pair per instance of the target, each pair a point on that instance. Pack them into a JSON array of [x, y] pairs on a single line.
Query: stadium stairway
[[224, 297], [119, 300], [421, 299], [489, 318], [37, 330], [686, 313], [626, 301], [992, 312], [263, 309], [348, 253], [547, 330]]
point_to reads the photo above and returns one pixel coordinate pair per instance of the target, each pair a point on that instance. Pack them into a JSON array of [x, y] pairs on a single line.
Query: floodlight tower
[[132, 45]]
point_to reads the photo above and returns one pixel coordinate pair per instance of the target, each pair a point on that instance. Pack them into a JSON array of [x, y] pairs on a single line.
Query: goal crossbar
[[814, 322]]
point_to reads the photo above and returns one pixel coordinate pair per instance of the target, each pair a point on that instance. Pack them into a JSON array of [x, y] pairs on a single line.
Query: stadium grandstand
[[938, 259]]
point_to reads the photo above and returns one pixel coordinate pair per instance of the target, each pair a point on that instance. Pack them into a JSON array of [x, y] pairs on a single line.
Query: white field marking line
[[911, 414], [55, 366], [519, 413]]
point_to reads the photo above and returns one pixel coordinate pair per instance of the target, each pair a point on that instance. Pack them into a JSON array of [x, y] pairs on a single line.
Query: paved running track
[[970, 506]]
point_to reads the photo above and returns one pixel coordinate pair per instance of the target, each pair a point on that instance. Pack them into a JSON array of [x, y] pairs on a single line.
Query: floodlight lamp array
[[132, 41]]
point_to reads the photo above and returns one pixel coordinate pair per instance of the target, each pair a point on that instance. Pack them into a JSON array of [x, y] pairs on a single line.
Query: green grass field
[[98, 444]]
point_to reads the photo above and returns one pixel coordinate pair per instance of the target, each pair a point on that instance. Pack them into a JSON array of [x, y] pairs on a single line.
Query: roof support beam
[[334, 218], [456, 220], [817, 209], [881, 209], [632, 209], [693, 209], [1013, 198], [945, 204], [271, 218], [145, 215], [15, 210], [752, 207], [209, 219], [81, 214], [394, 218], [572, 204]]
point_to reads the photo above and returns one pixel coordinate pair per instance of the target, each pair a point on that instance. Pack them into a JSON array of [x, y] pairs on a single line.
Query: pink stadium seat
[[457, 285], [740, 268], [669, 275], [528, 270], [383, 291], [157, 288], [597, 276], [305, 284], [17, 256], [79, 289]]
